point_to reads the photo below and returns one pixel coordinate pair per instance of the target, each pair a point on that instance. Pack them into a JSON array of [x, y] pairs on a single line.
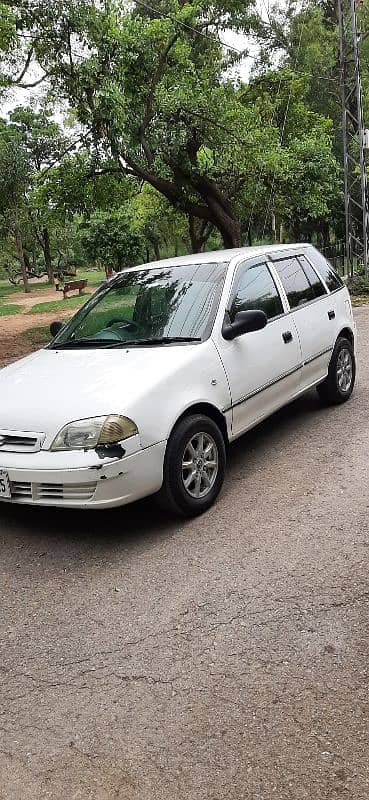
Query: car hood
[[45, 391]]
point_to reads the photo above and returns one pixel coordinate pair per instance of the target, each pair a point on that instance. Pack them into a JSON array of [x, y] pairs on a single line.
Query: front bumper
[[81, 479]]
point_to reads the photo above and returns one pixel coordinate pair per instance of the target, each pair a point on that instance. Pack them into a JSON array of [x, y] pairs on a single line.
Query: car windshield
[[149, 306]]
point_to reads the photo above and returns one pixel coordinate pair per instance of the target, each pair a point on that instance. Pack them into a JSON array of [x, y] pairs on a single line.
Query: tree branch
[[34, 83], [25, 68], [34, 226], [165, 187], [71, 62], [64, 153], [150, 99], [95, 173]]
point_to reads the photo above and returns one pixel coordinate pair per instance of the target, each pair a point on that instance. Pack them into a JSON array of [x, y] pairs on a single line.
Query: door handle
[[331, 314], [287, 337]]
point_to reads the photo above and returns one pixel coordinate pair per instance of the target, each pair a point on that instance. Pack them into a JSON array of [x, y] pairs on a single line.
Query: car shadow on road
[[290, 418], [143, 519]]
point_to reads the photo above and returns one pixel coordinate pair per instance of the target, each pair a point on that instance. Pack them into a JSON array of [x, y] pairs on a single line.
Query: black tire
[[173, 496], [332, 391]]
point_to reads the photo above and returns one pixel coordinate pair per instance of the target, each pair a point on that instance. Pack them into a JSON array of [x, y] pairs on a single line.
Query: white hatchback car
[[142, 390]]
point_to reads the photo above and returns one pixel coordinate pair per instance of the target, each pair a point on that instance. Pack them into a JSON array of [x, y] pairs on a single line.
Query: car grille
[[52, 492], [20, 441], [19, 490]]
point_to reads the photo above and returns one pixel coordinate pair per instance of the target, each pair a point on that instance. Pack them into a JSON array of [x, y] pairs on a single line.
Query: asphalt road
[[222, 658]]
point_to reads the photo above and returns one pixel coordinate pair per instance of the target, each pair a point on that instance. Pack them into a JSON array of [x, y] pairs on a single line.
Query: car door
[[263, 367], [312, 310]]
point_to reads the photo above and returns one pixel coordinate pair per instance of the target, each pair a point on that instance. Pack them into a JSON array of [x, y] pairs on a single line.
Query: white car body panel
[[244, 380], [77, 384], [275, 376]]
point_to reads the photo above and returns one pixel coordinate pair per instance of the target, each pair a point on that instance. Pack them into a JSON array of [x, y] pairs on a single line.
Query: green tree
[[110, 239], [303, 187], [45, 144], [14, 178], [153, 95], [164, 228]]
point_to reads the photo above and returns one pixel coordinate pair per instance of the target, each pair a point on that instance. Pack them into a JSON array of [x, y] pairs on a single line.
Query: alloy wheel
[[344, 370], [200, 465]]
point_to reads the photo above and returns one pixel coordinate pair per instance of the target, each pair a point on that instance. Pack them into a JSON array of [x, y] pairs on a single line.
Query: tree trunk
[[216, 208], [156, 249], [200, 230], [47, 254], [230, 230], [296, 231], [27, 262], [196, 230], [326, 234], [20, 254], [222, 218], [220, 212]]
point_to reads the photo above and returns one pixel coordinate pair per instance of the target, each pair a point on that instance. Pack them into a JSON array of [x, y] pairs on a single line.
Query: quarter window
[[294, 281], [312, 277], [257, 291], [326, 271]]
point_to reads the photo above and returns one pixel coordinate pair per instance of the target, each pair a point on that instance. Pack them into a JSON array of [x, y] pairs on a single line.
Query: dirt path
[[34, 298], [15, 338], [31, 299], [14, 341]]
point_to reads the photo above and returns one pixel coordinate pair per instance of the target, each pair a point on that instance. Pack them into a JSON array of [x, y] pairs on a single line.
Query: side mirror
[[55, 328], [244, 322]]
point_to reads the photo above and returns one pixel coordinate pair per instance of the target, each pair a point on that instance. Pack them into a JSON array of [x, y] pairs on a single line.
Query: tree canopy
[[163, 133]]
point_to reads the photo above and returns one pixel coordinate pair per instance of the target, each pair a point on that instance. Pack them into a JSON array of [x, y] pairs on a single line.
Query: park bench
[[72, 286]]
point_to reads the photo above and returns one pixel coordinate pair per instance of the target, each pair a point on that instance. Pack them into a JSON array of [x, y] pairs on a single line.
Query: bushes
[[109, 239], [358, 284]]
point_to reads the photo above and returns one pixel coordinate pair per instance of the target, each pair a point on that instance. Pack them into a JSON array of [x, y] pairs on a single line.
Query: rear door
[[263, 367], [312, 310]]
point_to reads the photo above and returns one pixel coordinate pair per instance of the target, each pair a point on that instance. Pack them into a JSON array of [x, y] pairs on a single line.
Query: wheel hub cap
[[200, 465], [344, 370]]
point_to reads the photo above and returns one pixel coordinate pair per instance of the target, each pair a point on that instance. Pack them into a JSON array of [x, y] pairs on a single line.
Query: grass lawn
[[58, 305], [38, 336], [359, 299], [8, 311], [93, 277], [6, 290]]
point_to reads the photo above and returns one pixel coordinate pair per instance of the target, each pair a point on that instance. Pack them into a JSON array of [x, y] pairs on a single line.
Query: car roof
[[220, 256]]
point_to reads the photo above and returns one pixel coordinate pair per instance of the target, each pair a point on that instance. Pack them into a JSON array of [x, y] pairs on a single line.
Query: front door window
[[256, 290]]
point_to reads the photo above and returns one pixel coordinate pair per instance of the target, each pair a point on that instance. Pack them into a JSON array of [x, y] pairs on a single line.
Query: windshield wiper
[[153, 341], [81, 343], [108, 344]]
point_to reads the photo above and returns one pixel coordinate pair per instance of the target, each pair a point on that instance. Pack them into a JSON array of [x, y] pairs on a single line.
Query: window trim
[[320, 279], [247, 264], [301, 305], [308, 251], [309, 302], [329, 291]]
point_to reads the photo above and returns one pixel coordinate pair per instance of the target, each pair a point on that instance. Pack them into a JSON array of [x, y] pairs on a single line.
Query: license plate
[[5, 493]]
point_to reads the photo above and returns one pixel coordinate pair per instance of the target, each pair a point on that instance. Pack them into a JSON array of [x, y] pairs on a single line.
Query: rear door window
[[312, 277], [294, 281], [326, 271]]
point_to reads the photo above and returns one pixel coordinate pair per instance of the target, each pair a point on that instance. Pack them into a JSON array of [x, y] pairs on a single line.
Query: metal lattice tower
[[356, 184]]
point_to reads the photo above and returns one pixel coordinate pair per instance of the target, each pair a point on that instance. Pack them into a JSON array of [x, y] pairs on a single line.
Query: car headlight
[[86, 434]]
